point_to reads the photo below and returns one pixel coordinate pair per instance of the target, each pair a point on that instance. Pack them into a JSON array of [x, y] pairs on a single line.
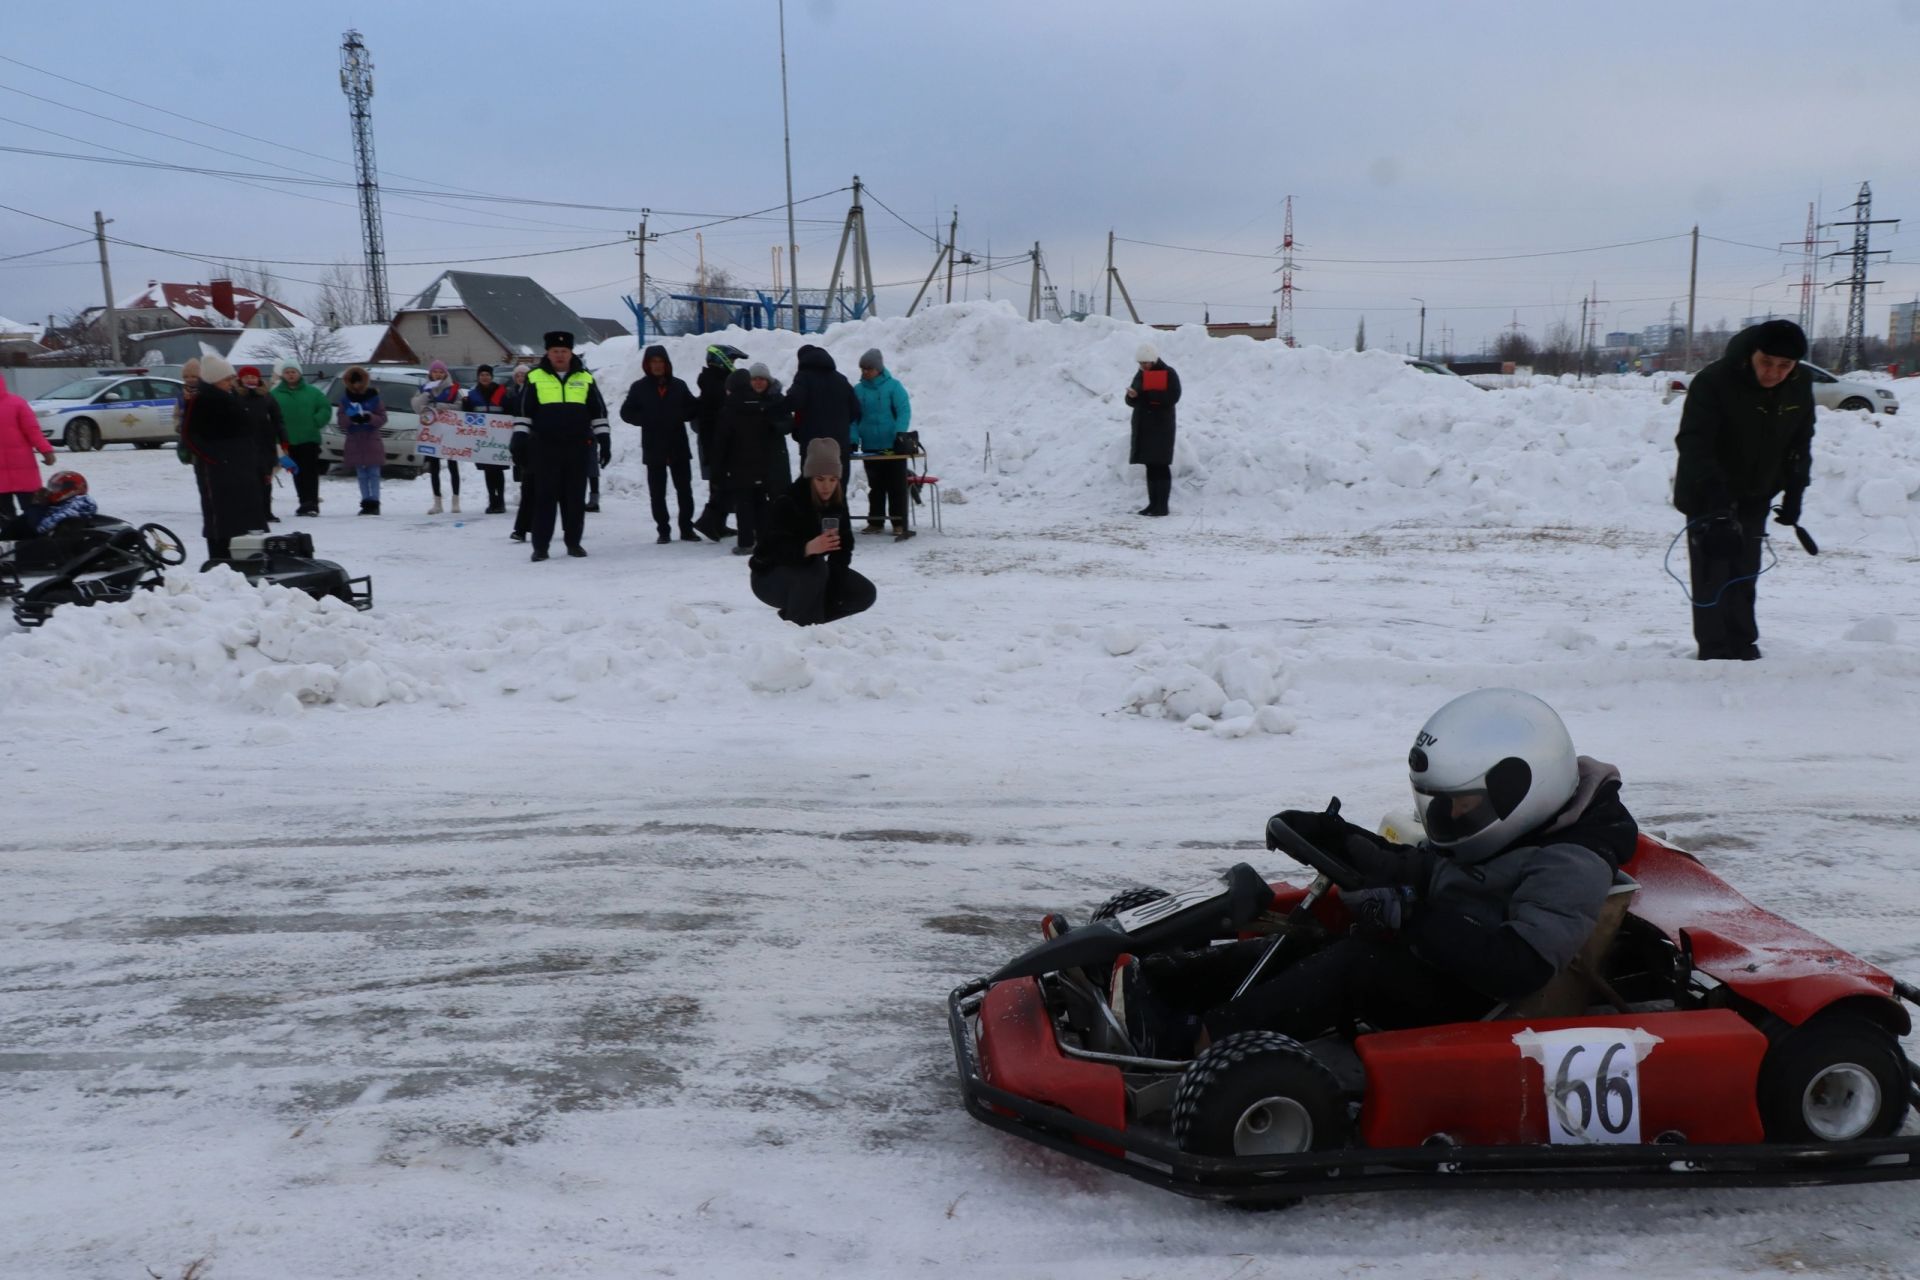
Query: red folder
[[1153, 379]]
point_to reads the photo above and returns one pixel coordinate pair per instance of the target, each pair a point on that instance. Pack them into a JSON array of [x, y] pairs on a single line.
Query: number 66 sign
[[1592, 1080]]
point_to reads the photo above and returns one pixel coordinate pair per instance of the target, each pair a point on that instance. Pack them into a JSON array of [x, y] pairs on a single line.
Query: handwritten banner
[[481, 438]]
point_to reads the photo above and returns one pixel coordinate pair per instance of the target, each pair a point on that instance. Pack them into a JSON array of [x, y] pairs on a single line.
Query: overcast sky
[[1402, 131]]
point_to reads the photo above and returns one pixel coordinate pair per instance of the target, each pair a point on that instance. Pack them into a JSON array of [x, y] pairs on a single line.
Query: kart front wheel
[[1127, 900], [1258, 1093], [1839, 1077]]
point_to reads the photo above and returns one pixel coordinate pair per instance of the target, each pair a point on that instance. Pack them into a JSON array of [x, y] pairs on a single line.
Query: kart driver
[[65, 498], [1522, 841]]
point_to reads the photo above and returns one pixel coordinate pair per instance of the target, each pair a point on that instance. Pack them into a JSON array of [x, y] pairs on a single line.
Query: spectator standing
[[802, 561], [822, 404], [750, 459], [511, 403], [885, 412], [440, 388], [1153, 393], [716, 376], [662, 406], [362, 420], [561, 427], [1746, 433], [226, 458], [488, 396], [20, 439], [269, 430], [305, 413]]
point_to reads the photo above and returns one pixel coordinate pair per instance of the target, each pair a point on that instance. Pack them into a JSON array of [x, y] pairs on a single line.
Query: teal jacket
[[884, 413]]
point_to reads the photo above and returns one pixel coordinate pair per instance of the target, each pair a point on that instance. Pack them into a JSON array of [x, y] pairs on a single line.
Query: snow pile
[[1319, 440], [1232, 687]]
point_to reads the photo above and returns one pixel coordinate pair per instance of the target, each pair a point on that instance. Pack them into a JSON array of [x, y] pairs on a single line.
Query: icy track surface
[[581, 919]]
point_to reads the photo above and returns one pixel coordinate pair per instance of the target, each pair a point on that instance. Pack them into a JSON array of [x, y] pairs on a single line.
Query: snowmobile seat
[[1569, 992]]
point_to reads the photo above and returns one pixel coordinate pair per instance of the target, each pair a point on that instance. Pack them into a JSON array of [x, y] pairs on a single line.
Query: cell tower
[[1863, 221], [356, 81], [1284, 322]]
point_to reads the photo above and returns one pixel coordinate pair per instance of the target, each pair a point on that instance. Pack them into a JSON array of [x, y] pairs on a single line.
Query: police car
[[90, 413]]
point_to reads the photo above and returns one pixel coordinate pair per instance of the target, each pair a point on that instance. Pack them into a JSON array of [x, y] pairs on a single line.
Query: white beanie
[[215, 369], [1146, 354]]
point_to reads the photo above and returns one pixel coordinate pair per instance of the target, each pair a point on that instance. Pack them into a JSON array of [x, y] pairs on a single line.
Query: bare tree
[[320, 344], [256, 275], [1360, 335], [342, 298], [81, 338]]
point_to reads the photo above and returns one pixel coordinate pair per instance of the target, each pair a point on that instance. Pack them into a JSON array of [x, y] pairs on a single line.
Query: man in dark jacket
[[750, 460], [823, 404], [715, 376], [1523, 838], [269, 430], [662, 406], [562, 421], [226, 458], [803, 559], [1746, 433], [1154, 391]]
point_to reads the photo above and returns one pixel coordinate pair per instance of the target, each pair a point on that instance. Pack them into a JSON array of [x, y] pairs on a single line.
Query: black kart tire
[[1127, 900], [1258, 1093], [1838, 1077], [82, 436], [1852, 403]]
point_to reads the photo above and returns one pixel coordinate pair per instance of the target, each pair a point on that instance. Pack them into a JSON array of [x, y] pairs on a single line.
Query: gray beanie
[[215, 369], [872, 360], [823, 458], [758, 369]]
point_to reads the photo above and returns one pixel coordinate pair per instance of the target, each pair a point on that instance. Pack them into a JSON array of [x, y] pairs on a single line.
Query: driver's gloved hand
[[1384, 910], [1323, 830]]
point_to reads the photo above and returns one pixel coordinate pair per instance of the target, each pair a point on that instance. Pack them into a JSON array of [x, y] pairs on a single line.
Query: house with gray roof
[[472, 317]]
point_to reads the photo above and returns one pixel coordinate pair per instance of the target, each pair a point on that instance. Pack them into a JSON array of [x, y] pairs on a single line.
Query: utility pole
[[640, 239], [953, 232], [1423, 327], [1109, 271], [1809, 260], [356, 81], [106, 282], [1863, 221], [1693, 280], [1033, 290], [786, 141]]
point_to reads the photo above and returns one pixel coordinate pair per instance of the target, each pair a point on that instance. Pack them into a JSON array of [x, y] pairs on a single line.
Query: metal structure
[[1809, 268], [356, 81], [1862, 223], [854, 231], [1285, 324], [786, 144]]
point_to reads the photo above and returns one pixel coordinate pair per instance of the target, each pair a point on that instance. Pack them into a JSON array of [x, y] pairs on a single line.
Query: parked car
[[396, 385], [1830, 391], [90, 413], [1429, 366]]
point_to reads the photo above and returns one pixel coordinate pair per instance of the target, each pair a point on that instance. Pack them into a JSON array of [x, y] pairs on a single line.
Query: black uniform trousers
[[815, 592], [306, 481], [887, 491], [1723, 621], [560, 486], [681, 470]]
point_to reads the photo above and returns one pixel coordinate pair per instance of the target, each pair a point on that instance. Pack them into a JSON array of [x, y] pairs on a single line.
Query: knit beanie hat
[[1782, 339], [485, 368], [288, 365], [823, 458], [215, 369], [872, 359], [523, 367], [758, 369], [246, 369], [1146, 354], [437, 369]]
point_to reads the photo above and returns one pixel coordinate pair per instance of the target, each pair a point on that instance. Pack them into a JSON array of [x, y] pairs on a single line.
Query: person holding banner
[[440, 388], [486, 396], [1153, 393]]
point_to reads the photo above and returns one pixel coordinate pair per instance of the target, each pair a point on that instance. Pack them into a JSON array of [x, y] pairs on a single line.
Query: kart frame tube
[[1256, 1179]]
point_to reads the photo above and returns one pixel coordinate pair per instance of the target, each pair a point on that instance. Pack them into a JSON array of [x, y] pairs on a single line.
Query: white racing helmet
[[1489, 767]]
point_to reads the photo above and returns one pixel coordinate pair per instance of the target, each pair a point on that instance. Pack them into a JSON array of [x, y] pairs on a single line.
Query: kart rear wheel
[[1838, 1077], [1258, 1093], [1127, 900]]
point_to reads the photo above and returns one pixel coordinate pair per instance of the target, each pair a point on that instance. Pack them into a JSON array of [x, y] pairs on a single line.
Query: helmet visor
[[1452, 816]]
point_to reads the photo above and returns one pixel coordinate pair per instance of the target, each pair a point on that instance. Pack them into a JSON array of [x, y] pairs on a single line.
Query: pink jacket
[[20, 439]]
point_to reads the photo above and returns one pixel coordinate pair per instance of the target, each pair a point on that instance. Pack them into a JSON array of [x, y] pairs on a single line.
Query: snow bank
[[1316, 440]]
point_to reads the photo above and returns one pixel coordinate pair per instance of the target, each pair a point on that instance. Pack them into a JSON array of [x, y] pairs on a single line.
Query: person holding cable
[[1746, 435], [1154, 391], [802, 561]]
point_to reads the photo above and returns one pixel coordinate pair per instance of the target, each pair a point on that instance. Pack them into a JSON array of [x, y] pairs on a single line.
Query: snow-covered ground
[[582, 919]]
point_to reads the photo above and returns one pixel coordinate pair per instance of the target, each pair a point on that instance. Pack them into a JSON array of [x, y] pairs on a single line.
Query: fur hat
[[1146, 354], [215, 369], [559, 338], [872, 360], [823, 458], [759, 370]]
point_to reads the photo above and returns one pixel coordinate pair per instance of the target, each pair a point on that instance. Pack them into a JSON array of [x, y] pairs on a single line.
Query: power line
[[1497, 257], [37, 252]]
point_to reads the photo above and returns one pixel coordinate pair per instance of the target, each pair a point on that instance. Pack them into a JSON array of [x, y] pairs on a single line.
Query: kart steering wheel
[[1296, 846], [163, 544]]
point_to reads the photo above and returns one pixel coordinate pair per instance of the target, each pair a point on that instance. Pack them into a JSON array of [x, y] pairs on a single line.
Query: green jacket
[[305, 410], [1739, 441]]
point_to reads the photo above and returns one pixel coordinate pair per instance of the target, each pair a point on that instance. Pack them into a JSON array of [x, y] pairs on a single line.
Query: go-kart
[[1697, 1040], [287, 560], [83, 561]]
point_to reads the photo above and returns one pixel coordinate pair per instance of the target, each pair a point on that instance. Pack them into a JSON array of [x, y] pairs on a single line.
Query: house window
[[437, 326]]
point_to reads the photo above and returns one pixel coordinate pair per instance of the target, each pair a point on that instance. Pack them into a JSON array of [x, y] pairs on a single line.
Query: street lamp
[[1423, 327]]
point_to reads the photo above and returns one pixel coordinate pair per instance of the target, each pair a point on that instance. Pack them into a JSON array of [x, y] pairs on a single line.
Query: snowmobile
[[287, 560], [1698, 1040], [83, 561]]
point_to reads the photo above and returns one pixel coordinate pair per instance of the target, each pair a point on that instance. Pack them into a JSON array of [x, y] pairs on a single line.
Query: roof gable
[[514, 309], [193, 303]]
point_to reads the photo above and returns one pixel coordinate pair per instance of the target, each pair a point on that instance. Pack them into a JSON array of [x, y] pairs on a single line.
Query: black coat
[[225, 462], [750, 440], [264, 421], [1153, 419], [821, 401], [1739, 441], [793, 521], [661, 407]]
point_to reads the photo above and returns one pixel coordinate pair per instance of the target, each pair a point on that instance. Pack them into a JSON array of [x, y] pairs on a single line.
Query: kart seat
[[1569, 992]]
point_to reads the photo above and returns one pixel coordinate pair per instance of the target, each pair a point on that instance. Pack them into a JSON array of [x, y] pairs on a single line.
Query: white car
[[396, 385], [89, 413], [1829, 391]]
